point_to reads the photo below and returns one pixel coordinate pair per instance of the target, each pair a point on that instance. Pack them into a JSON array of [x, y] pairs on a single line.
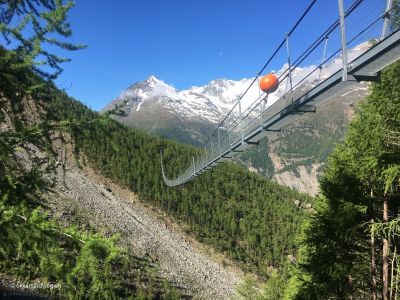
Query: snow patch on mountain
[[213, 101], [147, 90]]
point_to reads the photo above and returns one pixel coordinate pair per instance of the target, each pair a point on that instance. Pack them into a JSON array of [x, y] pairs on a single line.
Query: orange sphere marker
[[269, 83]]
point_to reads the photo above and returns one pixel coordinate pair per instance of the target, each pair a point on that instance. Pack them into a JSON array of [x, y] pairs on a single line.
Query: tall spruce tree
[[354, 235]]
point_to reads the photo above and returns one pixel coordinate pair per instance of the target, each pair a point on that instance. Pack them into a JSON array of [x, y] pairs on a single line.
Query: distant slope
[[296, 156], [186, 116]]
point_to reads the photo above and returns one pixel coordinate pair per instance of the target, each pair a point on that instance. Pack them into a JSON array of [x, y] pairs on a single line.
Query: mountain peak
[[152, 80], [219, 81]]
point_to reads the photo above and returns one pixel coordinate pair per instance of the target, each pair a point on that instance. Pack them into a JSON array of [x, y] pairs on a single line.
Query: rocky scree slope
[[146, 231]]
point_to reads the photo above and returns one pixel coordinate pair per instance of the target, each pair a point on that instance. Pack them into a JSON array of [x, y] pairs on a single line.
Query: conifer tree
[[45, 19], [360, 184]]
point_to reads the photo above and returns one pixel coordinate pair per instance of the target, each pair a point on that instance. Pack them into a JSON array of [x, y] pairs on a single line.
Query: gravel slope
[[181, 262]]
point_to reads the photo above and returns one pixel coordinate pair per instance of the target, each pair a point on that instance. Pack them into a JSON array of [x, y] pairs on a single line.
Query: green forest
[[238, 212], [35, 248], [349, 247], [309, 140]]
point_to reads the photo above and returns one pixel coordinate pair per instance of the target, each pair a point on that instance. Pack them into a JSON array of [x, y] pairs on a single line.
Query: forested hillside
[[350, 247], [250, 218], [344, 244]]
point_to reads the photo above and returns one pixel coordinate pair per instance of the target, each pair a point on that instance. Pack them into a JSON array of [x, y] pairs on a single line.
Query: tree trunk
[[392, 273], [373, 264], [385, 253], [397, 282]]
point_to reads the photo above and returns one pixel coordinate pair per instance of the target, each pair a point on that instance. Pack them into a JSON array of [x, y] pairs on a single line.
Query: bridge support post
[[241, 120], [344, 42], [264, 100], [212, 150], [260, 99], [290, 68], [323, 57], [194, 167], [219, 143], [386, 21], [229, 138]]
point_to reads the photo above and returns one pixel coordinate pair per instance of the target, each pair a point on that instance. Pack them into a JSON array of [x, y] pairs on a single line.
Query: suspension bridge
[[363, 40]]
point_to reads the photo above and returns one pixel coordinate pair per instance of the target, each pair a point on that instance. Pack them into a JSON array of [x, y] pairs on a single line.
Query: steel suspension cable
[[266, 64], [302, 57]]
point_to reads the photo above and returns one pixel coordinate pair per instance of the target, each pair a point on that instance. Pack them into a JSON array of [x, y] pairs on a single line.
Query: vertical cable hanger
[[323, 57], [290, 69]]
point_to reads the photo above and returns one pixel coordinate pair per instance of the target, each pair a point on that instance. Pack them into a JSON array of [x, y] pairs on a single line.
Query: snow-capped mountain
[[208, 103], [158, 107]]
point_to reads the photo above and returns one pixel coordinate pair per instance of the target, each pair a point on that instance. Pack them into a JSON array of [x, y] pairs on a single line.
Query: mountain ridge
[[190, 115], [216, 98]]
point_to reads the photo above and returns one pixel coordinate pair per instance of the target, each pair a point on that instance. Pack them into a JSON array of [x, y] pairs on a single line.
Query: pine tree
[[46, 18], [360, 184]]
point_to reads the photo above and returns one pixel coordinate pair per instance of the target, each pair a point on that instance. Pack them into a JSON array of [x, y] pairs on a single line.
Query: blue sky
[[184, 43]]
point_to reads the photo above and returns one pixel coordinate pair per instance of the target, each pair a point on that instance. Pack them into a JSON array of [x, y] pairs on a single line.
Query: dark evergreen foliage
[[343, 252], [250, 218], [47, 19]]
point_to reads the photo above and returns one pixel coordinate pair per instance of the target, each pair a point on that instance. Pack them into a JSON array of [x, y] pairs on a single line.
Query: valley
[[294, 157]]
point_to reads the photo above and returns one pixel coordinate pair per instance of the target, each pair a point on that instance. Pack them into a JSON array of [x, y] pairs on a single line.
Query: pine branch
[[46, 17], [53, 229]]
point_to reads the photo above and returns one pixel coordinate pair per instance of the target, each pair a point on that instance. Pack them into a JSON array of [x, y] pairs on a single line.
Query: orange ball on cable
[[269, 83]]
